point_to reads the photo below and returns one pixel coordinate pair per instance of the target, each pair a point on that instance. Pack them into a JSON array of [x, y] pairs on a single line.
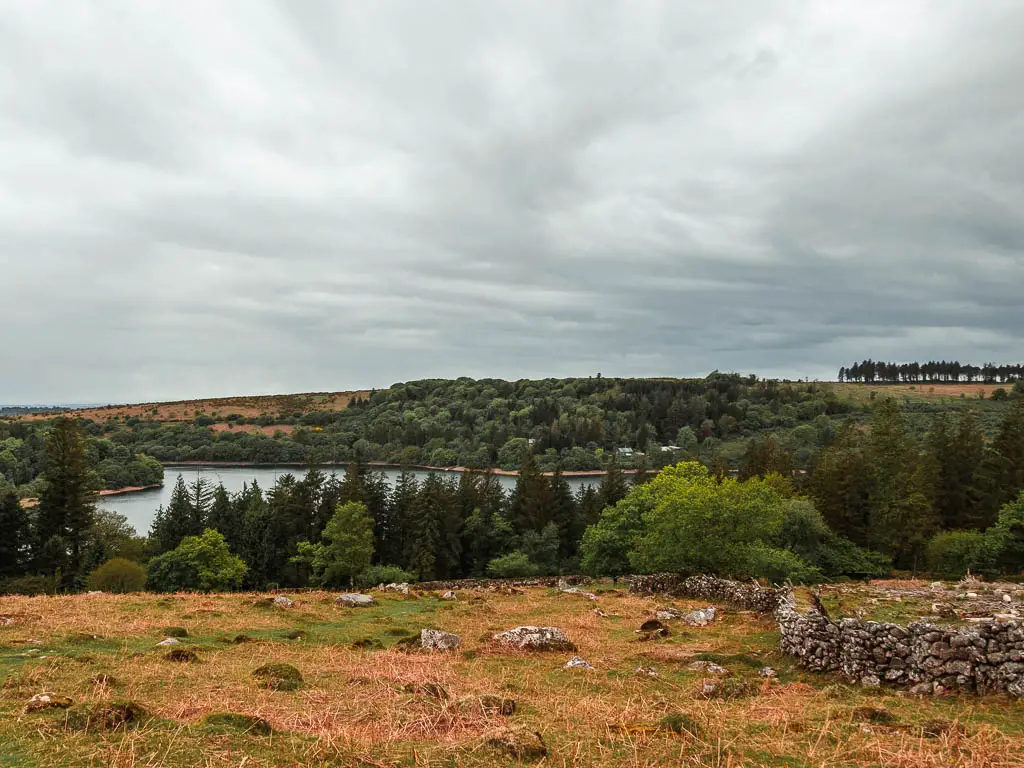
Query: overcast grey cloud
[[201, 199]]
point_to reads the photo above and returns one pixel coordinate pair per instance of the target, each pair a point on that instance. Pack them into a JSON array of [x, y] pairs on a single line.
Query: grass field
[[364, 702]]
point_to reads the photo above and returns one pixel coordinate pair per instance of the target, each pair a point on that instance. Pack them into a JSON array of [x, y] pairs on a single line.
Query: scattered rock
[[169, 641], [654, 634], [281, 601], [487, 705], [232, 722], [449, 595], [171, 632], [1007, 599], [700, 617], [923, 689], [43, 701], [578, 663], [600, 613], [535, 639], [181, 655], [708, 667], [767, 672], [520, 742], [435, 639], [667, 613], [402, 588], [278, 677], [355, 600], [646, 671], [870, 681]]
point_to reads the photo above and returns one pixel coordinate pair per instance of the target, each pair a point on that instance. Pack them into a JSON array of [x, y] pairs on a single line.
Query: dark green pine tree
[[841, 484], [641, 475], [530, 503], [222, 517], [395, 546], [15, 535], [1001, 475], [66, 508], [952, 460], [613, 486], [177, 520], [486, 533], [424, 541], [563, 514]]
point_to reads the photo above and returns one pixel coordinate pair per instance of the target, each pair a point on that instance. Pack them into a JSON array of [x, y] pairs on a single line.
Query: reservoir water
[[140, 506]]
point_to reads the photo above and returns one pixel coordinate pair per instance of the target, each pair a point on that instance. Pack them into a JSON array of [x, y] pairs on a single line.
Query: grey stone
[[577, 663], [355, 600], [435, 639], [700, 617], [530, 638], [283, 602]]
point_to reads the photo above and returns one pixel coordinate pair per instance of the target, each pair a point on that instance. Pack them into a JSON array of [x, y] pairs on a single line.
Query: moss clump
[[232, 722], [367, 644], [681, 722], [278, 677], [873, 715], [181, 655], [729, 688], [175, 632], [108, 717], [296, 634]]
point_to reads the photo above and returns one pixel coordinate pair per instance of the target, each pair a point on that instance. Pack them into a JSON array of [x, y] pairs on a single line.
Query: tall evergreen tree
[[563, 514], [395, 546], [841, 484], [222, 518], [530, 503], [178, 520], [15, 534], [613, 486], [1001, 475], [425, 532], [953, 458], [66, 503]]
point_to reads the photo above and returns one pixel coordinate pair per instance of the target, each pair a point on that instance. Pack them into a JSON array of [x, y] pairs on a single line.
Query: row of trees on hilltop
[[942, 372]]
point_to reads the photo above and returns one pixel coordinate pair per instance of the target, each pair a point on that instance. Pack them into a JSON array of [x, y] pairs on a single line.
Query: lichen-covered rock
[[646, 671], [355, 600], [529, 638], [43, 701], [435, 639], [402, 589], [578, 663], [282, 601], [449, 595], [700, 617], [708, 667], [668, 614]]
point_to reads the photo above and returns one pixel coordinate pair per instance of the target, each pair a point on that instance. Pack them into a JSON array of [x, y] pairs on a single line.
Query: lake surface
[[140, 506]]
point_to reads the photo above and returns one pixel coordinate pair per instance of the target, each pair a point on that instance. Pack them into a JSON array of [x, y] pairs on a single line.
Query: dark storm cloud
[[202, 199]]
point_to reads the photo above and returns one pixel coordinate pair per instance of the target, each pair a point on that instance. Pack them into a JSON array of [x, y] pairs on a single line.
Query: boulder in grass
[[577, 662], [283, 602], [700, 617], [535, 639], [449, 595], [355, 600], [667, 613], [42, 701], [708, 667], [435, 639], [402, 589]]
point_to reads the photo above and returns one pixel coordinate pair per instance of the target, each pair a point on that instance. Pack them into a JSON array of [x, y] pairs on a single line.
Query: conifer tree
[[178, 520], [841, 485], [613, 486], [66, 508], [530, 503], [15, 534], [1001, 475], [563, 514]]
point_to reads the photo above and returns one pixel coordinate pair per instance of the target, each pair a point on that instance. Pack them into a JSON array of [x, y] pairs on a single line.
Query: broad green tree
[[198, 564], [346, 547]]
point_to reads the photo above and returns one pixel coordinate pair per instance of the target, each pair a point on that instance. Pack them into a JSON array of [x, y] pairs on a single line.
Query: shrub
[[382, 574], [779, 565], [118, 575], [200, 563], [950, 554], [513, 565]]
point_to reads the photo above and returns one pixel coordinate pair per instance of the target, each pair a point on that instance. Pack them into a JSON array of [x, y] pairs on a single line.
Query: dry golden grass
[[353, 708]]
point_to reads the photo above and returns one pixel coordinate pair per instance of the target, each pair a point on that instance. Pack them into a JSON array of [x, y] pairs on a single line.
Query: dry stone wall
[[986, 658]]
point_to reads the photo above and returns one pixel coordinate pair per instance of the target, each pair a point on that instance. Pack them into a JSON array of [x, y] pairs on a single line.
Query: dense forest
[[570, 423], [879, 372], [879, 496]]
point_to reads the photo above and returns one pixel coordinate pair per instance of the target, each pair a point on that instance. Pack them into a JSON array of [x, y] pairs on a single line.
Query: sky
[[209, 199]]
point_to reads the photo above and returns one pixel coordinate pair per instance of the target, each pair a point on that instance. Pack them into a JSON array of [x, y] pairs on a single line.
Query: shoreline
[[388, 465]]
